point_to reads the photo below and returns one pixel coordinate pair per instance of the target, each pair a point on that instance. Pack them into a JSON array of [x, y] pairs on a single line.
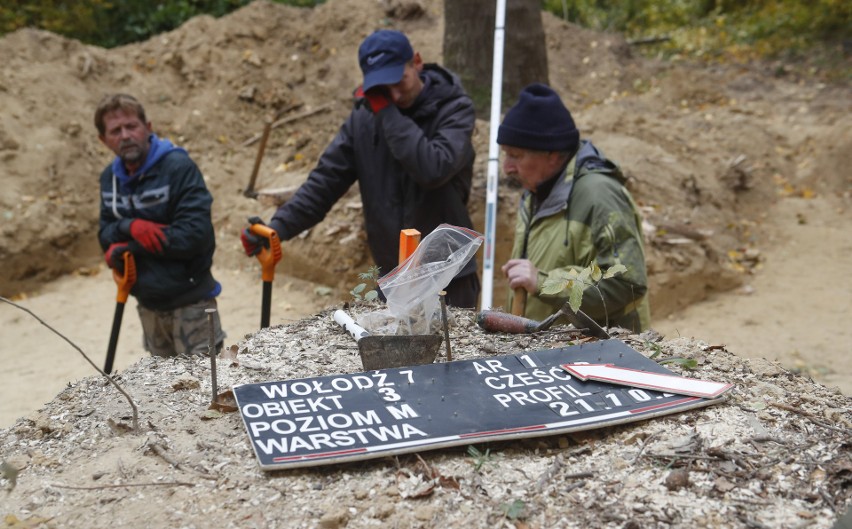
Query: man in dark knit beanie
[[575, 213]]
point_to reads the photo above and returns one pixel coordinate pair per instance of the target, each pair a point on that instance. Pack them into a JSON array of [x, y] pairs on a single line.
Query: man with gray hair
[[575, 212]]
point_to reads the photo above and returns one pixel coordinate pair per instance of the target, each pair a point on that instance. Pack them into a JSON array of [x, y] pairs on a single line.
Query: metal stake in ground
[[211, 351], [443, 296]]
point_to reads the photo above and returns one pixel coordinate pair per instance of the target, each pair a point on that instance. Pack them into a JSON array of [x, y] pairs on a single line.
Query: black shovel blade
[[384, 352], [581, 320]]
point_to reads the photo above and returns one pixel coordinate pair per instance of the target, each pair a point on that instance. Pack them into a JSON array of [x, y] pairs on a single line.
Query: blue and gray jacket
[[168, 189]]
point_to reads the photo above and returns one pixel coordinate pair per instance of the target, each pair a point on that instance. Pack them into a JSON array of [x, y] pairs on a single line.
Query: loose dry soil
[[742, 173]]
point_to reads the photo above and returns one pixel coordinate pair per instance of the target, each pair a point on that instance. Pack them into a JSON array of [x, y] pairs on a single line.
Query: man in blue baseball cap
[[407, 143], [383, 56]]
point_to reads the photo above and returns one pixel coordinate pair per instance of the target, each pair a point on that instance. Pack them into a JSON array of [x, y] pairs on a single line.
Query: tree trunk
[[469, 48]]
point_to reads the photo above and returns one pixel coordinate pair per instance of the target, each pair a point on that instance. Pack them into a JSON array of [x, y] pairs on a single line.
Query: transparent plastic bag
[[412, 288]]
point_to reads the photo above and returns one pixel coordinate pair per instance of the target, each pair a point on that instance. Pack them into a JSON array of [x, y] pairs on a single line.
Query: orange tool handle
[[268, 257], [408, 241], [126, 281]]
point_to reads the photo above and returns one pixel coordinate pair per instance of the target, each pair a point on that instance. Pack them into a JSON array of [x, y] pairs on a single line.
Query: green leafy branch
[[370, 276], [576, 281]]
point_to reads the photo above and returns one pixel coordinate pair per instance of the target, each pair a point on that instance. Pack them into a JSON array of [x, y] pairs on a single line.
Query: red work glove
[[376, 97], [252, 244], [114, 256], [149, 234]]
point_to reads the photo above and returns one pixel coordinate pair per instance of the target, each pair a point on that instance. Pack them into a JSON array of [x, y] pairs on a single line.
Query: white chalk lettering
[[316, 423], [301, 389], [403, 412], [337, 439], [341, 384], [362, 382], [297, 406], [381, 383], [546, 394], [520, 380], [490, 366]]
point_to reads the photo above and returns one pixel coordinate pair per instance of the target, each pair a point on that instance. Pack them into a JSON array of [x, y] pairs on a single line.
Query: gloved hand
[[376, 98], [115, 256], [149, 234], [252, 244]]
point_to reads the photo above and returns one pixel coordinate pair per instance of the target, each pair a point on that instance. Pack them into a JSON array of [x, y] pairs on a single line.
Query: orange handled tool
[[125, 282], [408, 241], [268, 256]]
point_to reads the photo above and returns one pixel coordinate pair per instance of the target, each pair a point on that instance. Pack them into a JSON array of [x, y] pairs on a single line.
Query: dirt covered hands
[[155, 204], [407, 143], [575, 212]]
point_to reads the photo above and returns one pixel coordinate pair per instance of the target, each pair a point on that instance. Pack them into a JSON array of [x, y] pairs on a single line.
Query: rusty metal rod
[[443, 296], [211, 351]]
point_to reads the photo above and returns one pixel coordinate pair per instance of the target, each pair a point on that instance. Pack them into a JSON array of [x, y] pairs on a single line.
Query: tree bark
[[469, 48]]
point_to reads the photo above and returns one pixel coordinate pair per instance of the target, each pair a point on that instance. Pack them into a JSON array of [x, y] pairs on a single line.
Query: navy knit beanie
[[539, 121]]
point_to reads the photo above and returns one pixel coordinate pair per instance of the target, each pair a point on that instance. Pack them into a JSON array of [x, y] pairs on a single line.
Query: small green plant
[[577, 280], [658, 350], [686, 363], [517, 510], [479, 458], [370, 276]]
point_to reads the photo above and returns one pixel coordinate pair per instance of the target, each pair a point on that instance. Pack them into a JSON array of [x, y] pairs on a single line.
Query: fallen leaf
[[225, 402], [211, 414], [723, 485]]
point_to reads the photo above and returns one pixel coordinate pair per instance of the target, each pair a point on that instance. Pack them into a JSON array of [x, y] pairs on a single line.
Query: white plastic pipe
[[493, 157]]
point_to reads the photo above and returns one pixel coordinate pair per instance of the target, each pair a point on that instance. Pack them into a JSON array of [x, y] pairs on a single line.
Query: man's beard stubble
[[132, 152]]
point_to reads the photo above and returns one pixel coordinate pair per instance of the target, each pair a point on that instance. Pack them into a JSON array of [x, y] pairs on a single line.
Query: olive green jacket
[[589, 216]]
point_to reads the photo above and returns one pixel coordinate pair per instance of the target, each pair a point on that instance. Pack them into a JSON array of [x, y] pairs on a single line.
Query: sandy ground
[[39, 363], [795, 310], [796, 307]]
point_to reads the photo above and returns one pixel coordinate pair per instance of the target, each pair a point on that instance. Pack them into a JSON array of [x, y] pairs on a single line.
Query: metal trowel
[[389, 351]]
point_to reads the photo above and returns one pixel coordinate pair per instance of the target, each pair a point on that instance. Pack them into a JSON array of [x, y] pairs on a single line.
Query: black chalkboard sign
[[348, 417]]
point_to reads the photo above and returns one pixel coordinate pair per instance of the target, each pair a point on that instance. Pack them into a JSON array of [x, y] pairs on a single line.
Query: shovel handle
[[250, 192], [268, 257], [346, 321], [519, 301], [125, 281]]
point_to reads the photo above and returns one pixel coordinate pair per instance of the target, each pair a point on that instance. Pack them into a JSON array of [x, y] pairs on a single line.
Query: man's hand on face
[[377, 98], [521, 273]]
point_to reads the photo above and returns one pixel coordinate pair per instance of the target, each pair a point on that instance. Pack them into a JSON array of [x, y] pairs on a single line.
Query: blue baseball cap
[[383, 56]]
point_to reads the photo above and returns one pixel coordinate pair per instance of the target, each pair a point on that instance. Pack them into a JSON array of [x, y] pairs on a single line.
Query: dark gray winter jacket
[[413, 166]]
